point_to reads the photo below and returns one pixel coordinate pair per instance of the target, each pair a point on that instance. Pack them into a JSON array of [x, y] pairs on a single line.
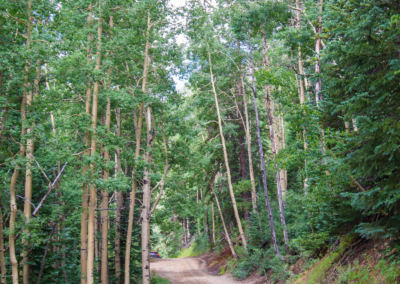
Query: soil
[[187, 270], [215, 262]]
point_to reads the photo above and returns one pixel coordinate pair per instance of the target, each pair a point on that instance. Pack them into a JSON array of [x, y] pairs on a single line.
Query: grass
[[317, 273], [156, 279], [189, 252], [382, 272]]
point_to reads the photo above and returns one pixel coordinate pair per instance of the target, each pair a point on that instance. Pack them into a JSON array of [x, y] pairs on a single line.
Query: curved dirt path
[[187, 270]]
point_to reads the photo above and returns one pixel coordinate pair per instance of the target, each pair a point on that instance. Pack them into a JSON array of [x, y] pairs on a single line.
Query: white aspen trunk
[[138, 137], [3, 268], [13, 201], [318, 84], [248, 138], [104, 206], [261, 152], [283, 173], [93, 193], [355, 128], [120, 204], [228, 239], [29, 150], [85, 191], [213, 221], [104, 193], [145, 218], [303, 85], [228, 171], [347, 126]]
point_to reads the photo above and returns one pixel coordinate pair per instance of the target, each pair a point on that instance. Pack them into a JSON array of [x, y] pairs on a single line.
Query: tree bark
[[248, 138], [104, 206], [228, 171], [92, 201], [213, 222], [260, 148], [138, 137], [104, 193], [303, 86], [318, 96], [3, 268], [145, 217], [29, 149], [85, 192], [273, 129], [120, 204], [211, 184]]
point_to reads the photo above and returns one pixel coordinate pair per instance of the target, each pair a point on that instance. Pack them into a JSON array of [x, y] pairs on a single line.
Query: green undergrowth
[[318, 272], [157, 279], [197, 247], [382, 272]]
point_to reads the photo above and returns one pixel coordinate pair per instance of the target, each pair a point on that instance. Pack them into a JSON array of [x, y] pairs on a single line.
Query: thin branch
[[40, 168], [51, 186], [26, 201]]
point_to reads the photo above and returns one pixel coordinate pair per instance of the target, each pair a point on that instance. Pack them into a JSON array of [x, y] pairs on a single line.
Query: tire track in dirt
[[187, 270]]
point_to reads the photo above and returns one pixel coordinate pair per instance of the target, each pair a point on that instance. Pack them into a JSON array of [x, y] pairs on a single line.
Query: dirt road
[[187, 270]]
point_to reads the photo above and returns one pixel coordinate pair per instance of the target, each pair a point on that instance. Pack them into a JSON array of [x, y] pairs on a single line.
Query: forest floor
[[188, 270]]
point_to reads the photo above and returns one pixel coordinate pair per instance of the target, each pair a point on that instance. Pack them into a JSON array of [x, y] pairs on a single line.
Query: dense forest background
[[284, 141]]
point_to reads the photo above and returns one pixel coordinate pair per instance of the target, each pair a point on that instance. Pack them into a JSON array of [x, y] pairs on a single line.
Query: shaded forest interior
[[283, 145]]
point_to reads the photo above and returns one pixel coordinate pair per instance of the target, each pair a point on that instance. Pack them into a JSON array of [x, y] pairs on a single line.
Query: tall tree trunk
[[184, 232], [260, 148], [213, 221], [104, 193], [318, 96], [132, 198], [303, 85], [228, 239], [85, 192], [283, 173], [3, 268], [138, 138], [228, 171], [29, 150], [92, 200], [273, 129], [242, 153], [145, 217], [13, 201], [104, 205], [248, 138], [120, 204]]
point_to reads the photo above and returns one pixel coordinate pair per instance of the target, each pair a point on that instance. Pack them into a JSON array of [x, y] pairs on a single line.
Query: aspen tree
[[228, 171], [137, 152], [13, 201], [261, 153], [85, 192], [274, 145], [120, 203], [104, 193], [29, 150], [303, 85], [248, 138], [3, 268], [228, 239], [92, 196], [145, 217], [213, 221]]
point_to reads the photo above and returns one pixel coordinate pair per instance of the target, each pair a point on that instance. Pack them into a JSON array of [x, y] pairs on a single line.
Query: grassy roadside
[[157, 279]]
